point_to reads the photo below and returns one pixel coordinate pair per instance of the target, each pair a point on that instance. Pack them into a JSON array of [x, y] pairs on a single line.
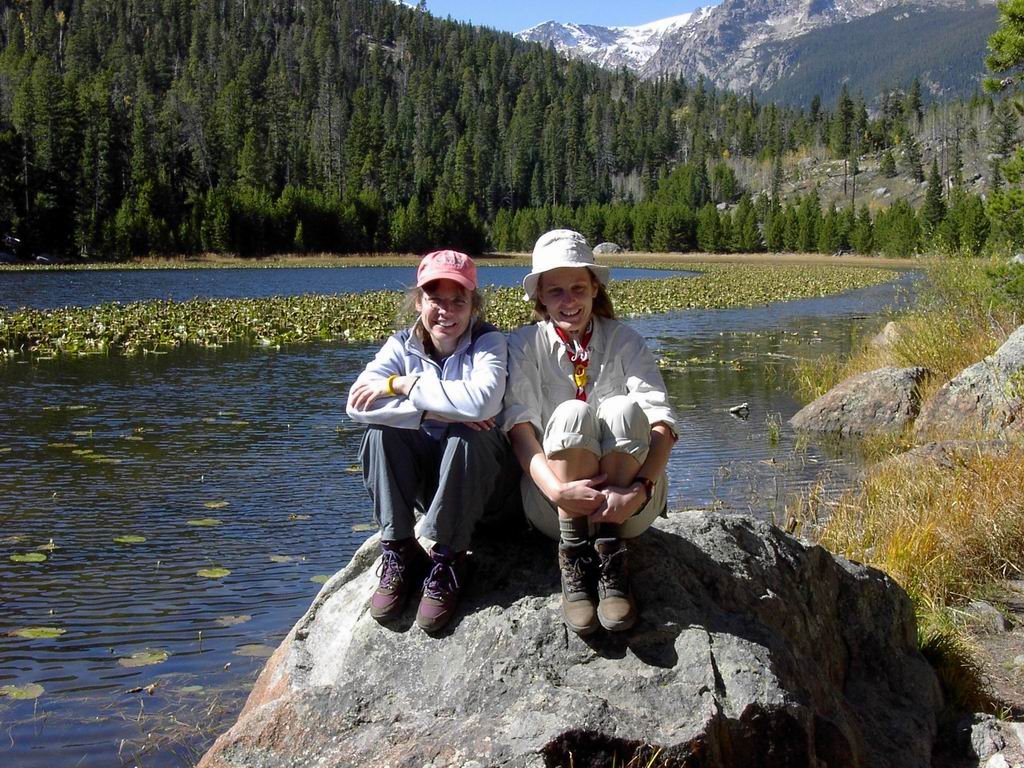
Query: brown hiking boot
[[616, 610], [576, 564], [401, 569]]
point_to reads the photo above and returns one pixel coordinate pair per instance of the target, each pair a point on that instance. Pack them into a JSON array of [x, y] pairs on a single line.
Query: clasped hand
[[601, 503]]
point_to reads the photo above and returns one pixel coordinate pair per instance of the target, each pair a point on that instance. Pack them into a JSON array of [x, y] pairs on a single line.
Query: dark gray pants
[[451, 480]]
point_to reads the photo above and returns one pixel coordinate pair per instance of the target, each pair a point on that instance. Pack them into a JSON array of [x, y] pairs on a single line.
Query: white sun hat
[[561, 248]]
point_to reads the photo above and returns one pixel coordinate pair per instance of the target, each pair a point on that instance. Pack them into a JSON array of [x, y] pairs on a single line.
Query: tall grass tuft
[[945, 534]]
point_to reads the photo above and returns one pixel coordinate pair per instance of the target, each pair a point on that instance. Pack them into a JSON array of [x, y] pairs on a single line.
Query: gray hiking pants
[[451, 480]]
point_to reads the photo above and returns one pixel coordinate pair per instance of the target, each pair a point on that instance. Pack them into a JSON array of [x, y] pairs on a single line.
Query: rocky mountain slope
[[760, 45]]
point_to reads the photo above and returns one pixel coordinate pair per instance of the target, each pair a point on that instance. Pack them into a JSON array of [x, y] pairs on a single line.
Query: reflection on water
[[242, 461]]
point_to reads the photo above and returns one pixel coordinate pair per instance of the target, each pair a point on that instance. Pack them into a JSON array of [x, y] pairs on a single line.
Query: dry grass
[[956, 325], [945, 535]]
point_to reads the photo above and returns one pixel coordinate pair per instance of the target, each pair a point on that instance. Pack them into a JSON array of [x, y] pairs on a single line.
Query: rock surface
[[986, 399], [602, 248], [880, 401], [751, 650]]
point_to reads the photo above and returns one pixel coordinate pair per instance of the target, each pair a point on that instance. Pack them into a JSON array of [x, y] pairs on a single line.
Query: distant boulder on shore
[[752, 649], [605, 248], [881, 401]]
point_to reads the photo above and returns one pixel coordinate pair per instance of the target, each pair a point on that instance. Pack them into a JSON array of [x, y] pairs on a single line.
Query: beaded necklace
[[579, 355]]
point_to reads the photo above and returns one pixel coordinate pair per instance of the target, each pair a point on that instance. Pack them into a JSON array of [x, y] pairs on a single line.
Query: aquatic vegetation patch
[[204, 522], [144, 658], [129, 539], [232, 620], [213, 573], [28, 557], [155, 327], [220, 504], [37, 633], [22, 692], [319, 578], [254, 650]]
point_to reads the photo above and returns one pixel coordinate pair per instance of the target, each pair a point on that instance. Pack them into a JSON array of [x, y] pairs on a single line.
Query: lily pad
[[28, 557], [239, 423], [281, 558], [134, 438], [48, 547], [216, 504], [129, 539], [294, 516], [364, 527], [145, 658], [37, 633], [213, 573], [62, 445], [81, 432], [319, 578], [6, 449], [354, 469], [28, 691], [254, 650], [232, 620], [204, 522]]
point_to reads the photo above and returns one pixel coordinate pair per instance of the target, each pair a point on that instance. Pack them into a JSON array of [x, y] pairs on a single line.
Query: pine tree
[[912, 158], [934, 209], [887, 165]]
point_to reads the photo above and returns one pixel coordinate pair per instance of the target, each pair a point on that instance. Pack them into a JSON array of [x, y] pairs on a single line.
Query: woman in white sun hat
[[588, 417]]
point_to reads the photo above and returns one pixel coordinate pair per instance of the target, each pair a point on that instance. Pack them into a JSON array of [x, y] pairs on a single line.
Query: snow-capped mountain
[[609, 47], [755, 44]]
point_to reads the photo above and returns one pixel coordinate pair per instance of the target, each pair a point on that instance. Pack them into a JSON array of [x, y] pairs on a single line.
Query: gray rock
[[607, 248], [952, 454], [1018, 258], [752, 650], [880, 401], [986, 399], [986, 737], [986, 616], [888, 336], [881, 192]]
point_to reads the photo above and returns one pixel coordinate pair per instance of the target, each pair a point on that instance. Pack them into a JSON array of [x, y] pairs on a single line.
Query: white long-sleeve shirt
[[467, 386], [540, 374]]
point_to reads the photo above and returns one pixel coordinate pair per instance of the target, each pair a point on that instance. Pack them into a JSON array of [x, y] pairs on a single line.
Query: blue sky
[[520, 14]]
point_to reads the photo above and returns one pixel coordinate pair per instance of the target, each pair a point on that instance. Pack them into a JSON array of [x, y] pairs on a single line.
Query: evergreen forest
[[134, 127]]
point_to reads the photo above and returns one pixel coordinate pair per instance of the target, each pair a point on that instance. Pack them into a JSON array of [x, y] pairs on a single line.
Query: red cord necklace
[[578, 353]]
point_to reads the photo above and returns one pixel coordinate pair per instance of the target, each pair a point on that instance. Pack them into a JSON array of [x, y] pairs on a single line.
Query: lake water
[[51, 288], [242, 460]]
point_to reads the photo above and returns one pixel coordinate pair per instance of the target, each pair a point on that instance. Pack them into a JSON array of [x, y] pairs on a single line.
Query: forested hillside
[[256, 126]]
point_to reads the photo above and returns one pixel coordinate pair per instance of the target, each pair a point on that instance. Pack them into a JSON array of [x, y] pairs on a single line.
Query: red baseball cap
[[447, 265]]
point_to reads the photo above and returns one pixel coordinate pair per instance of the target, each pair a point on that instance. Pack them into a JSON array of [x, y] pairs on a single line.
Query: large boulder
[[984, 400], [752, 650], [880, 401], [607, 248]]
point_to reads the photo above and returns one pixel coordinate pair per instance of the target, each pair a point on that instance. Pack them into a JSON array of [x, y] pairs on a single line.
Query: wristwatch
[[648, 485]]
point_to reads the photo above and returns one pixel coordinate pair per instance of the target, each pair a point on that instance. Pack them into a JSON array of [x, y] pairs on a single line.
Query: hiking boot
[[616, 610], [441, 590], [576, 561], [402, 565]]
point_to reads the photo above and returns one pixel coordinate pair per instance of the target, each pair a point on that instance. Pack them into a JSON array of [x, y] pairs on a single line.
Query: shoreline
[[327, 260]]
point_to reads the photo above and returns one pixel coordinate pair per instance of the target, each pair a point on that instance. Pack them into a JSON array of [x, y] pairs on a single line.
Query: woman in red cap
[[429, 399]]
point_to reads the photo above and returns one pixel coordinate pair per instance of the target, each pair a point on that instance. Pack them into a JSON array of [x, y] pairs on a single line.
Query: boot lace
[[614, 575], [391, 569], [575, 573], [441, 581]]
